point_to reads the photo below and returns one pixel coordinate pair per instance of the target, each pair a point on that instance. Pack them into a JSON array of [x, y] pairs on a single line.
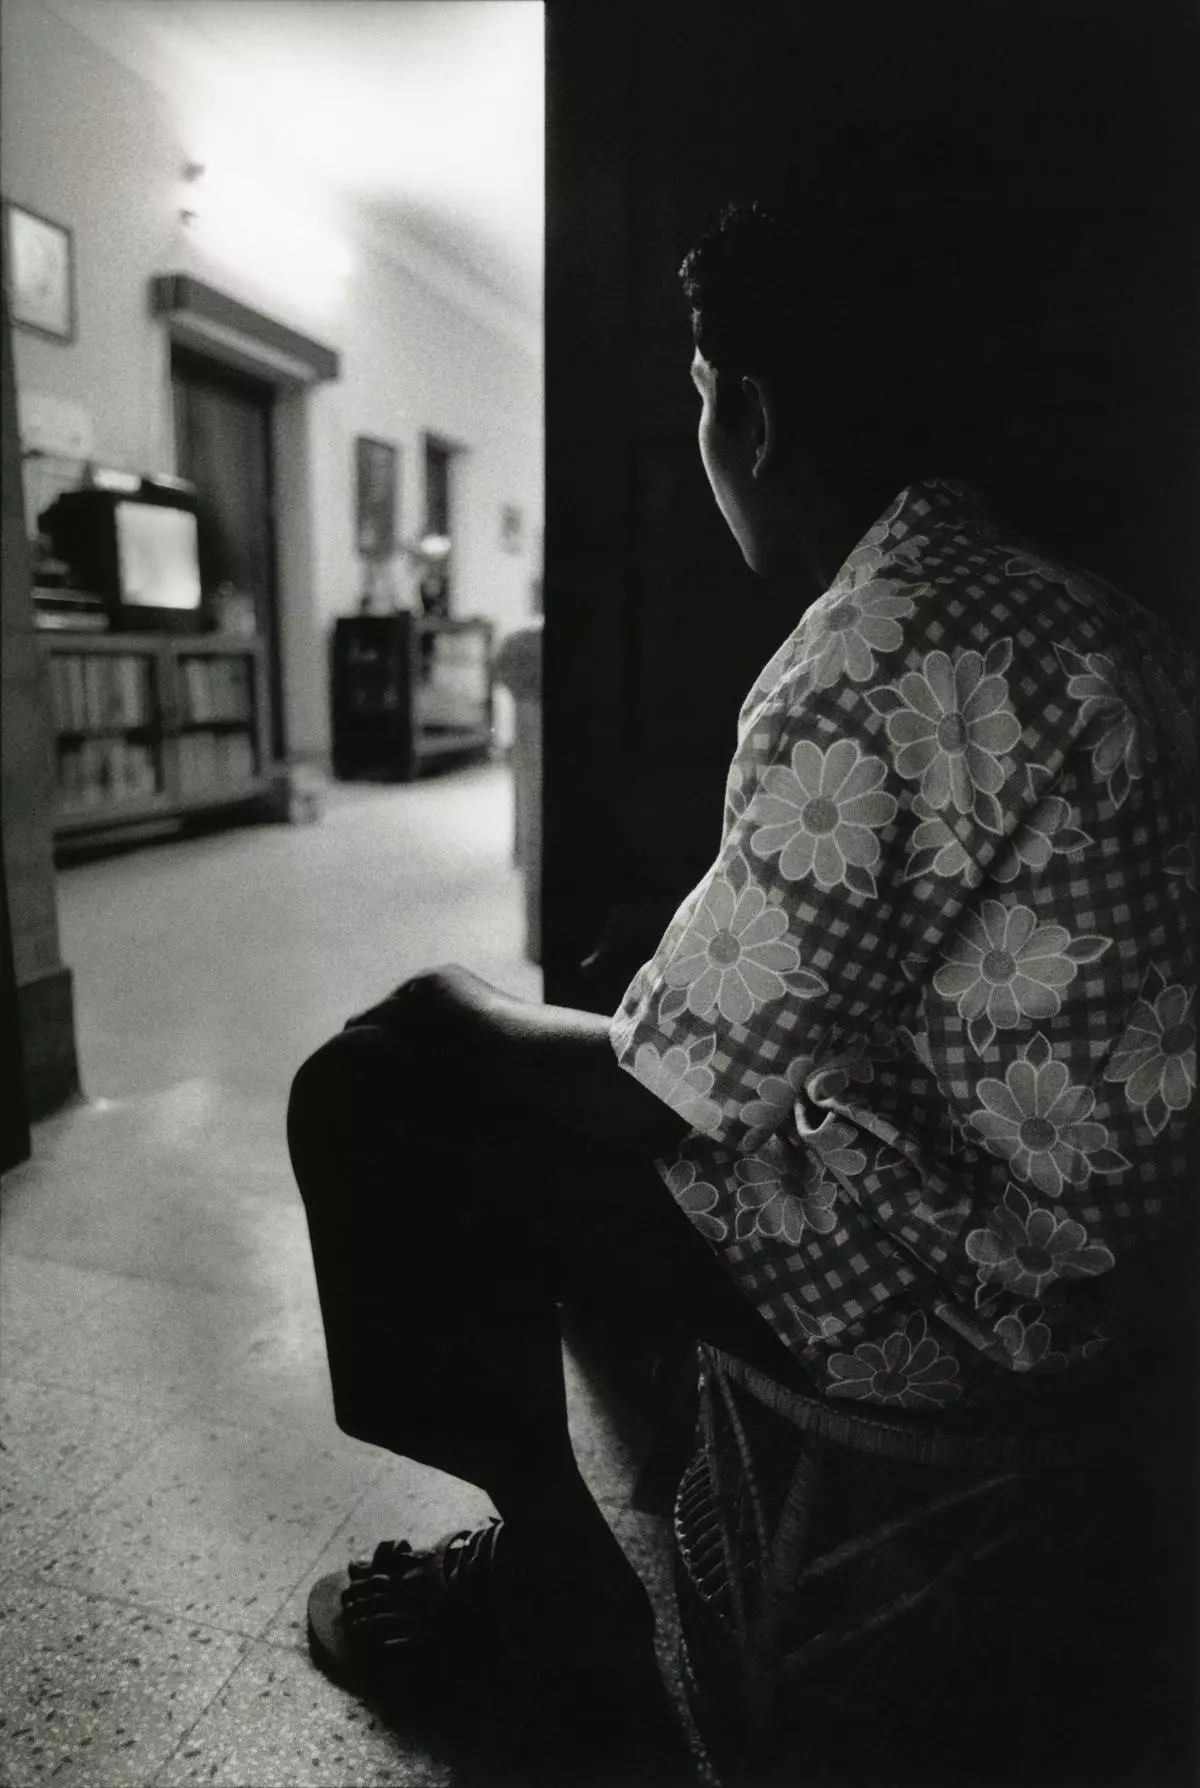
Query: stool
[[866, 1598]]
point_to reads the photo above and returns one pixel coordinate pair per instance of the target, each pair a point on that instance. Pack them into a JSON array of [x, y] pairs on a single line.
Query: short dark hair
[[865, 306], [741, 285]]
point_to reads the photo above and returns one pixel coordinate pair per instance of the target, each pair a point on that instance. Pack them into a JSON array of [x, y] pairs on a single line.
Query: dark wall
[[1046, 142], [44, 988]]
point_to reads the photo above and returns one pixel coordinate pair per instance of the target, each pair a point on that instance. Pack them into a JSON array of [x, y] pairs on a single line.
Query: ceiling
[[429, 113]]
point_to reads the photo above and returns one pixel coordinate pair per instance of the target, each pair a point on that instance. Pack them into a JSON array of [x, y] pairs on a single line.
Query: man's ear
[[761, 405]]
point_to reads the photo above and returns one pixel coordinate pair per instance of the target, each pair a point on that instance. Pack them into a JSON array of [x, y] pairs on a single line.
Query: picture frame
[[376, 483], [39, 273]]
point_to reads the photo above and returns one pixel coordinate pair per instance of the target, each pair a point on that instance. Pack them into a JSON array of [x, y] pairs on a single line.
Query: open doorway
[[223, 445], [437, 589]]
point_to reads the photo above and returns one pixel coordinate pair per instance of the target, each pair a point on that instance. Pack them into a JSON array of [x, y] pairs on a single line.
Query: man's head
[[751, 435], [817, 334]]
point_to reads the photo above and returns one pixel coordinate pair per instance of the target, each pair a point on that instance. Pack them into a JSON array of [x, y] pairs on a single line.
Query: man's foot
[[471, 1628], [404, 1621]]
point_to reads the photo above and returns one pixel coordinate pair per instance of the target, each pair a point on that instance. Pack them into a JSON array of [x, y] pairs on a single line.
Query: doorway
[[223, 435], [439, 519]]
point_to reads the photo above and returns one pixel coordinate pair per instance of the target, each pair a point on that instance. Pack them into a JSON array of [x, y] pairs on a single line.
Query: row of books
[[96, 772], [217, 688], [214, 761], [95, 690]]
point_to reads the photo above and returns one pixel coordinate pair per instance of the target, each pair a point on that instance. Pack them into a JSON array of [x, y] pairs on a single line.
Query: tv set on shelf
[[132, 542]]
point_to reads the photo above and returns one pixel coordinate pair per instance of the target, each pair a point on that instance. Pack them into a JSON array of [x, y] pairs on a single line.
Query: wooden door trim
[[587, 547]]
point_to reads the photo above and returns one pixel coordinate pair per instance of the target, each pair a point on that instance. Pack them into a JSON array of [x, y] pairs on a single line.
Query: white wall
[[96, 146]]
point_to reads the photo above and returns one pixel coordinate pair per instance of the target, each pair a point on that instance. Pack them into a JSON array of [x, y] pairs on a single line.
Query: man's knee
[[329, 1091], [351, 1094]]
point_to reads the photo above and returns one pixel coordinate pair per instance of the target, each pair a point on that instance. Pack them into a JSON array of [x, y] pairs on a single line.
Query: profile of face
[[763, 472], [739, 449]]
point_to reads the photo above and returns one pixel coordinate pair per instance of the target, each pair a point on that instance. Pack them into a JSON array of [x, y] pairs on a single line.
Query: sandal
[[407, 1620], [421, 1633]]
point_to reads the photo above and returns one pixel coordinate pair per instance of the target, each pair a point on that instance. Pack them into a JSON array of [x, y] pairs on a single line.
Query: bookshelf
[[151, 728]]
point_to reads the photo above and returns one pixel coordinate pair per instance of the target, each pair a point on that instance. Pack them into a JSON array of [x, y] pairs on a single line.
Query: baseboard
[[46, 1005]]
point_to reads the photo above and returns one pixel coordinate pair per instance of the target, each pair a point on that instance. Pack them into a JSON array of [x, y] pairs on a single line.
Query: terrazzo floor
[[173, 1480]]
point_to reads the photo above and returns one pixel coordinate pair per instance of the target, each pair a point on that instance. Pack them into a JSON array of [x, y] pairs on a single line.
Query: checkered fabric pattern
[[930, 1015]]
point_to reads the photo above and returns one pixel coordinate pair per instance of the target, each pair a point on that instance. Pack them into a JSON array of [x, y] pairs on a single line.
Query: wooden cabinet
[[150, 727], [408, 691]]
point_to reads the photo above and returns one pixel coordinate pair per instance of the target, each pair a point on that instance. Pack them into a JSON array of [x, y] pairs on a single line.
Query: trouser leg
[[446, 1229], [441, 1330]]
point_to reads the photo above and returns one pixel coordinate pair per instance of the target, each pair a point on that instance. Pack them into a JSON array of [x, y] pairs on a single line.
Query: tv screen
[[158, 556]]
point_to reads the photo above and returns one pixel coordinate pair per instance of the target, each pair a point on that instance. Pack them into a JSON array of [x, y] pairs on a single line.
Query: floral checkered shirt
[[930, 1015]]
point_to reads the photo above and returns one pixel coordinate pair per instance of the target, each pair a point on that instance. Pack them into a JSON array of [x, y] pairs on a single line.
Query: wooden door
[[223, 446], [656, 116]]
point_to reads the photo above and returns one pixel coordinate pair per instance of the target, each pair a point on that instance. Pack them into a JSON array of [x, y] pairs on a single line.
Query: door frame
[[230, 334]]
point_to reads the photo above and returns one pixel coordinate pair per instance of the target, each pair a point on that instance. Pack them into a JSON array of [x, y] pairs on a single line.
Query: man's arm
[[549, 1062]]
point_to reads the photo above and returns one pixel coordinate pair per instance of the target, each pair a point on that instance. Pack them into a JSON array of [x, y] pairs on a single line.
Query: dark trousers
[[447, 1230]]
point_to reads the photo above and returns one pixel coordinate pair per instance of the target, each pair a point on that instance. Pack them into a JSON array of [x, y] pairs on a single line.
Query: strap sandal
[[405, 1622], [422, 1635]]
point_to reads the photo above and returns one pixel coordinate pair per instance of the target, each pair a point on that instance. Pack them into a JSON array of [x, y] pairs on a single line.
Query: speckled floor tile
[[405, 1502], [283, 1377], [216, 1524], [159, 1344], [279, 1724], [245, 1360], [61, 1448], [189, 1183], [35, 1293], [94, 1693]]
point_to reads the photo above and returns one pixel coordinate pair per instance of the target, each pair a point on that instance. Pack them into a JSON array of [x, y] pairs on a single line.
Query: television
[[134, 544]]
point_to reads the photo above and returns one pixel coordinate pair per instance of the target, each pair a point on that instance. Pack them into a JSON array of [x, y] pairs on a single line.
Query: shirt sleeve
[[819, 918]]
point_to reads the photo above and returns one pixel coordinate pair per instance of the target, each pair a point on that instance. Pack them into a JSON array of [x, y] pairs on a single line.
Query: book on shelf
[[217, 688], [104, 772], [95, 690], [131, 678], [99, 690], [195, 685], [209, 761]]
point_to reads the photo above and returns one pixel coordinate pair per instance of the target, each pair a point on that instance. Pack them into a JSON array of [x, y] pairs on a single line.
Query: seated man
[[894, 1112]]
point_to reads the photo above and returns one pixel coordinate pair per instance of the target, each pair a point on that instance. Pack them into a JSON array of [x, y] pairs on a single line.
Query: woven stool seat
[[865, 1598]]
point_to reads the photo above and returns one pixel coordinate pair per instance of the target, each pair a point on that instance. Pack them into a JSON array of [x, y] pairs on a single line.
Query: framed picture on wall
[[39, 273], [377, 479]]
